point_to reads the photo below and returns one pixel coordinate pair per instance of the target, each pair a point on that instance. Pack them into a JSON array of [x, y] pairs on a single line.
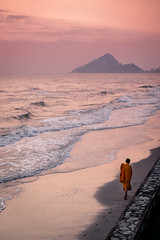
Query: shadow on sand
[[111, 197]]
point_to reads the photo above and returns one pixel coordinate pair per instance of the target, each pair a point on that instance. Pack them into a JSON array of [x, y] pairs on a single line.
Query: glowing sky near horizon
[[58, 35]]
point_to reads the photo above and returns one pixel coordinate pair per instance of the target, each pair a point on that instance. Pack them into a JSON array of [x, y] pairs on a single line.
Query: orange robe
[[125, 176], [121, 178]]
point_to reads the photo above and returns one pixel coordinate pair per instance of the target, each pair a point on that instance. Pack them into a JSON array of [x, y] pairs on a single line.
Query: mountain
[[107, 64]]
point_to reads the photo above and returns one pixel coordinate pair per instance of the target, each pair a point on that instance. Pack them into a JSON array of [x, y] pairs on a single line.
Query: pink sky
[[54, 36]]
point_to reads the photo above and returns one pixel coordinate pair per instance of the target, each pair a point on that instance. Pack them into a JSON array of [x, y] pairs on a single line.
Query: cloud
[[17, 17], [27, 28], [16, 27], [3, 10]]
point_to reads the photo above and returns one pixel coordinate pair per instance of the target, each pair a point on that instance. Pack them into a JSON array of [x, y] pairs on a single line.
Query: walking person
[[125, 176]]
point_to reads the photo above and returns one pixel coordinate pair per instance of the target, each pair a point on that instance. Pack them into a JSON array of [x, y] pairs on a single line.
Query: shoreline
[[69, 205]]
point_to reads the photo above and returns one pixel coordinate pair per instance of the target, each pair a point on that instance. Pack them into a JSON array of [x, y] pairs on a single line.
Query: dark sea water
[[42, 117]]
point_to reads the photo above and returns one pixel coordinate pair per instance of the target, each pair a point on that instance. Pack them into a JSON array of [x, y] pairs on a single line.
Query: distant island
[[109, 64]]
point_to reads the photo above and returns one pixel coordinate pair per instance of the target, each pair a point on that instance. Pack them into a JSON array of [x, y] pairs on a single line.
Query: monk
[[125, 176]]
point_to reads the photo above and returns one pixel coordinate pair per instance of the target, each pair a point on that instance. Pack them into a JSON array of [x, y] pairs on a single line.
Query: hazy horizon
[[57, 36]]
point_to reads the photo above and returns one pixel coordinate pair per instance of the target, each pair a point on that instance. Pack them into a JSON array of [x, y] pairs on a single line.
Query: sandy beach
[[72, 204]]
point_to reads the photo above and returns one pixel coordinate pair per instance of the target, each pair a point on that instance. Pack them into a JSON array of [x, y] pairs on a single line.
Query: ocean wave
[[147, 86], [33, 156], [74, 120], [23, 116], [2, 204], [84, 117], [39, 104]]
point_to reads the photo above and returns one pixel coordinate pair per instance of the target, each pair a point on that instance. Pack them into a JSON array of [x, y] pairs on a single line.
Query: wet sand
[[72, 204]]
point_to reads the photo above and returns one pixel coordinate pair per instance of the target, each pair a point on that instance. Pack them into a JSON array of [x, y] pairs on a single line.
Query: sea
[[42, 117]]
